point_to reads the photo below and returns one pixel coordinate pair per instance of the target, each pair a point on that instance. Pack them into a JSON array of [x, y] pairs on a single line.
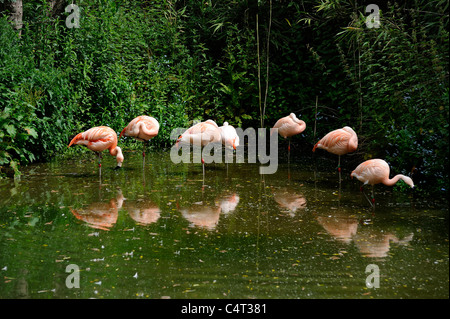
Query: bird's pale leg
[[143, 153], [289, 173], [100, 164], [362, 190], [373, 197], [371, 202], [339, 170], [289, 151], [203, 166]]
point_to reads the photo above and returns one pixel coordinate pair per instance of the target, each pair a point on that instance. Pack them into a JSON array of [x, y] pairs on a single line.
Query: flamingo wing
[[289, 125], [335, 142], [201, 133], [284, 126], [96, 139], [372, 171], [141, 128]]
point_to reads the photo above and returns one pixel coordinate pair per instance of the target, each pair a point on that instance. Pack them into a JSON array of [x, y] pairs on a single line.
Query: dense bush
[[245, 62]]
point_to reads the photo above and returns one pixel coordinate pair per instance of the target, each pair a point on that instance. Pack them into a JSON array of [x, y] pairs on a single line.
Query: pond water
[[158, 232]]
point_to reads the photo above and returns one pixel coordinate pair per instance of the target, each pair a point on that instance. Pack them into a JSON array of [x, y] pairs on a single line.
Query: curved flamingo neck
[[301, 123], [353, 143], [392, 181], [117, 152]]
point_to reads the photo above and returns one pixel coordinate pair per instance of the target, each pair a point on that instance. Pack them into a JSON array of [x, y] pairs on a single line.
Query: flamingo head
[[408, 180], [235, 142], [119, 158]]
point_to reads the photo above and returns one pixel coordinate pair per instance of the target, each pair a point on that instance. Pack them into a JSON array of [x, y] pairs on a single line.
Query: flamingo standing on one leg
[[201, 134], [142, 128], [339, 142], [376, 171], [289, 126], [98, 139]]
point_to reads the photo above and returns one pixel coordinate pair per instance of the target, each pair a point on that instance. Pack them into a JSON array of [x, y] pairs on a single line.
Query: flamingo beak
[[177, 144]]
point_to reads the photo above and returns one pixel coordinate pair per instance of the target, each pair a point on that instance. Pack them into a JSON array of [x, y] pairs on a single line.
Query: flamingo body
[[376, 171], [339, 142], [98, 139], [202, 134], [142, 128], [289, 125], [229, 136]]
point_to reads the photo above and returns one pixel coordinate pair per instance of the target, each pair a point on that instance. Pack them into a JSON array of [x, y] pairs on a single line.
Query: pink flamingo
[[98, 139], [142, 128], [339, 142], [289, 126], [376, 171], [201, 134], [229, 136]]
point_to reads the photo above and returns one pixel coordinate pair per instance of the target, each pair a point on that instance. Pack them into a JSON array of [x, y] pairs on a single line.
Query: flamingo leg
[[373, 196], [367, 198], [339, 170], [372, 201], [289, 151], [203, 164], [143, 153], [339, 163], [99, 163]]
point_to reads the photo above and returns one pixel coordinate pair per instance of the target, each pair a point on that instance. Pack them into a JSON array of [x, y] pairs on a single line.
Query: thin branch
[[267, 62]]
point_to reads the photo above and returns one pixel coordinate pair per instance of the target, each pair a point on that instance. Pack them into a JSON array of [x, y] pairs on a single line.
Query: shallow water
[[158, 232]]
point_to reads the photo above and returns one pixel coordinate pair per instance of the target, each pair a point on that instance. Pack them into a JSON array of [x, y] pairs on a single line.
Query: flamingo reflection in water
[[202, 216], [228, 203], [371, 242], [207, 215], [341, 226], [377, 243], [143, 212], [101, 215], [289, 200]]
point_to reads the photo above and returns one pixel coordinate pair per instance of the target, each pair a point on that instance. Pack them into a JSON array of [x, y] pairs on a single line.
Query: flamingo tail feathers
[[76, 139], [123, 132]]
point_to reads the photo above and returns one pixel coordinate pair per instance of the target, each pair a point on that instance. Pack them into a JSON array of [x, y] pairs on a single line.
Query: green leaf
[[31, 131], [11, 130]]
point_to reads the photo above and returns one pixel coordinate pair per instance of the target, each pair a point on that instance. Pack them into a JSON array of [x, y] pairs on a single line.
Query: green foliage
[[403, 76], [182, 61]]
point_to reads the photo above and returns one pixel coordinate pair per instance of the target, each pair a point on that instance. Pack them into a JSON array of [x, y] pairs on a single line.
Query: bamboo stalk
[[315, 118], [259, 70]]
